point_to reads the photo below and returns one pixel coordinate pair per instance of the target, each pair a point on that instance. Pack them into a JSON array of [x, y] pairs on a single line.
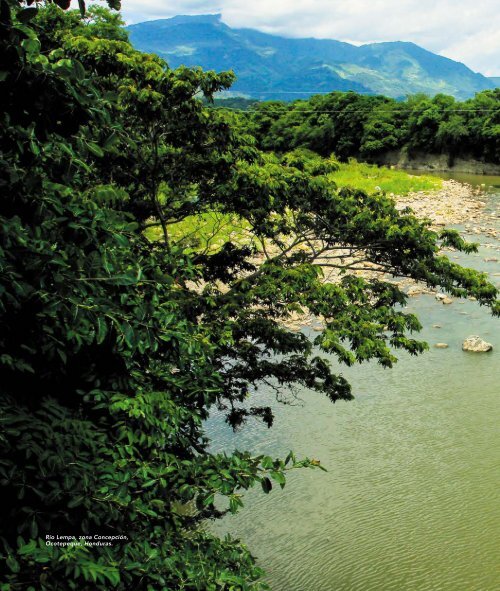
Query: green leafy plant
[[114, 347]]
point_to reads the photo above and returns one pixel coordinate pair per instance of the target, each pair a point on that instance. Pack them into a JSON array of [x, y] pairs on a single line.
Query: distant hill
[[272, 67], [496, 81]]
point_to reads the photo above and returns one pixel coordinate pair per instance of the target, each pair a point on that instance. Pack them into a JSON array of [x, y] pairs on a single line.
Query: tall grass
[[372, 178]]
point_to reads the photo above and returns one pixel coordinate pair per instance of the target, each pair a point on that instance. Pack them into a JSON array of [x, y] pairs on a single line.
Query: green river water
[[411, 498]]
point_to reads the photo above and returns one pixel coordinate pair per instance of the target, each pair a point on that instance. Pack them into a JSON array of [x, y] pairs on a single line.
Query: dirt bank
[[437, 162]]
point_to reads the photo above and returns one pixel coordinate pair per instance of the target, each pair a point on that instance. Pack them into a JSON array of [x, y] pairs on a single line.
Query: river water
[[411, 498]]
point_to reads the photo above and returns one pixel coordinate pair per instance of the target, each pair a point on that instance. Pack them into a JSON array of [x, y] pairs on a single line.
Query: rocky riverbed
[[455, 203]]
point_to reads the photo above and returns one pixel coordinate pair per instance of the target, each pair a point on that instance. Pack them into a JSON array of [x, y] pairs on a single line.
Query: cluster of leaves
[[353, 125], [114, 348]]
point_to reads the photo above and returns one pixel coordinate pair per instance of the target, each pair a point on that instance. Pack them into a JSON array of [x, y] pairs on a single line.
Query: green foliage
[[371, 178], [367, 127], [114, 347]]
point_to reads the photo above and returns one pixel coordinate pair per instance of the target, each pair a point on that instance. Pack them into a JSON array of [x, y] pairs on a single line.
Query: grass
[[372, 178], [209, 231]]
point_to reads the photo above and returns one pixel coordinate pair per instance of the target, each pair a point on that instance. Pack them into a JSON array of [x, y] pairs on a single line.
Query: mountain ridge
[[270, 66]]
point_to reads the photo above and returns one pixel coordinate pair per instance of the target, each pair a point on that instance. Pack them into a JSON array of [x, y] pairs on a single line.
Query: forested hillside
[[367, 127], [271, 67], [120, 329]]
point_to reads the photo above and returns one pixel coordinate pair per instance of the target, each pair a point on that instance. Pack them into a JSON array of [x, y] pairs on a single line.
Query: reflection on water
[[410, 501]]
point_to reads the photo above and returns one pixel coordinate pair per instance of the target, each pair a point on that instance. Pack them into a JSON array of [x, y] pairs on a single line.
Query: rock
[[440, 296], [441, 345], [476, 345], [447, 301], [415, 290], [437, 326], [490, 260]]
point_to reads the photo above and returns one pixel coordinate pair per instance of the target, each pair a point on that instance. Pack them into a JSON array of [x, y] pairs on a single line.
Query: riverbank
[[436, 163], [454, 203]]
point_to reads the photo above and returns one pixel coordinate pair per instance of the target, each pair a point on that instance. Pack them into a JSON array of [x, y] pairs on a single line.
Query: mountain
[[272, 67], [496, 81]]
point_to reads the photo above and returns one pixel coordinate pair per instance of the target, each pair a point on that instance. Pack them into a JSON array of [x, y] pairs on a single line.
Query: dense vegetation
[[353, 125], [114, 347]]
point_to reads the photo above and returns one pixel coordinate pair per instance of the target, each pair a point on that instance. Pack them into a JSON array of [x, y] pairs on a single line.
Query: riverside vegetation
[[368, 127], [115, 347]]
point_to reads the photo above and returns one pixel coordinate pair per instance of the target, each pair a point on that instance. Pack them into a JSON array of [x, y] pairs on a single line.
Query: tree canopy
[[354, 125], [120, 328]]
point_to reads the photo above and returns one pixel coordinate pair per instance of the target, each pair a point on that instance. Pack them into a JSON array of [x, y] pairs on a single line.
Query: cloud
[[464, 30]]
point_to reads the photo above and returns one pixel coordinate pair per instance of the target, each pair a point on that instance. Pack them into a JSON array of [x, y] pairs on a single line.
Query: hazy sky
[[464, 30]]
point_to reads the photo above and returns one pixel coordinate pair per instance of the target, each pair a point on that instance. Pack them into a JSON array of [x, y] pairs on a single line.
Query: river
[[411, 498]]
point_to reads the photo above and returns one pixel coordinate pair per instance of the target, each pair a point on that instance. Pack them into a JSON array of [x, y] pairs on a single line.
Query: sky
[[464, 30]]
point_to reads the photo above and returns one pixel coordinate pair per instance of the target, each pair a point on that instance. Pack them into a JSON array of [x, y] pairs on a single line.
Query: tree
[[482, 115], [119, 334], [351, 125]]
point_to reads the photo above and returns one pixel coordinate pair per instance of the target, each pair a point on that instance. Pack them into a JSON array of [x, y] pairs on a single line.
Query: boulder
[[447, 301], [476, 345], [440, 296], [441, 345], [415, 290]]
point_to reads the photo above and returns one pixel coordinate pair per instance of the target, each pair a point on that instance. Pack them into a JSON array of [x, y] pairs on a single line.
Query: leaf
[[267, 485], [149, 483], [209, 500], [267, 462], [31, 45], [279, 477], [75, 502], [95, 149], [64, 4], [28, 548], [27, 14], [102, 330], [111, 140], [34, 528], [13, 564]]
